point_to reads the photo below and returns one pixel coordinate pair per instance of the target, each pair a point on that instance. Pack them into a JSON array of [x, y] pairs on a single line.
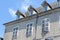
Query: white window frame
[[45, 24], [29, 30]]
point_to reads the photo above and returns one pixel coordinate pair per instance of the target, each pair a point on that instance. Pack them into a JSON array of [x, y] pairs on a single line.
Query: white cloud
[[25, 5], [12, 12]]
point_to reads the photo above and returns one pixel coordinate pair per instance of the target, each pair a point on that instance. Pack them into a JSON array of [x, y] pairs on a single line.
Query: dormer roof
[[46, 4], [32, 8], [20, 13]]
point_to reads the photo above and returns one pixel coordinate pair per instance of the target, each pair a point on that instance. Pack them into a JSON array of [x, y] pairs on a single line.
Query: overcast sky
[[8, 9]]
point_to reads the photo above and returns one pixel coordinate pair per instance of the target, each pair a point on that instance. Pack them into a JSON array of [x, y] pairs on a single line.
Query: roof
[[20, 13], [53, 5], [33, 16], [46, 4]]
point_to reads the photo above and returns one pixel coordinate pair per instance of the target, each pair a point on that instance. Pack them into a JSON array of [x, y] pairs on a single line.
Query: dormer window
[[30, 13], [31, 10], [45, 6], [19, 15]]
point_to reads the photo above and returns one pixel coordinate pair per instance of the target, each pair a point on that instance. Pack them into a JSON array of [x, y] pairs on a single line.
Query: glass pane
[[30, 32], [42, 29], [47, 20], [30, 12], [17, 28], [46, 24], [30, 28], [43, 25], [43, 22], [26, 33], [45, 8], [30, 24], [14, 29]]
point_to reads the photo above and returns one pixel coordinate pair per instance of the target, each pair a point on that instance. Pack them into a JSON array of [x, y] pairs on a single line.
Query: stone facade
[[54, 32]]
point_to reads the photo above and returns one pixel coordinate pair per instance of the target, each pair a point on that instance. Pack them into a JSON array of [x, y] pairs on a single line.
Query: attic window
[[30, 12], [19, 15], [46, 6]]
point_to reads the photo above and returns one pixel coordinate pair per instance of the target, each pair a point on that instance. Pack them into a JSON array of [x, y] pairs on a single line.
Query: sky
[[8, 9]]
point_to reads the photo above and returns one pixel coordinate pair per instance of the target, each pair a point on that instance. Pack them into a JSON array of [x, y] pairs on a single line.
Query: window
[[29, 30], [46, 25], [15, 32], [45, 8], [30, 12]]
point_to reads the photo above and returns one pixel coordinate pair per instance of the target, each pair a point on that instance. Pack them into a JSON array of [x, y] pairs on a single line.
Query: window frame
[[45, 23], [27, 35], [15, 31]]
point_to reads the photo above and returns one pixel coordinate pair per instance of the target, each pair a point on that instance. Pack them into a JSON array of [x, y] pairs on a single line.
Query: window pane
[[30, 24], [45, 8], [27, 26], [47, 24], [47, 20], [43, 22], [43, 25], [30, 28], [30, 32], [16, 28]]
